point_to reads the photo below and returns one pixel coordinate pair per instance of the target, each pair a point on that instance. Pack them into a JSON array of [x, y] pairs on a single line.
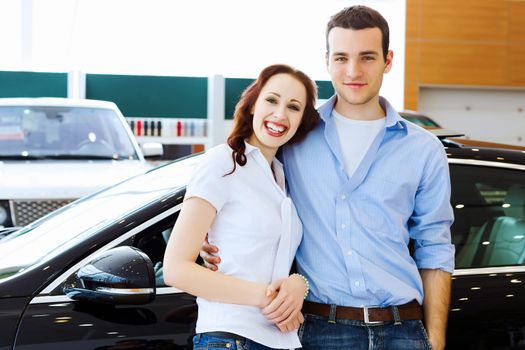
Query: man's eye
[[369, 58], [340, 59]]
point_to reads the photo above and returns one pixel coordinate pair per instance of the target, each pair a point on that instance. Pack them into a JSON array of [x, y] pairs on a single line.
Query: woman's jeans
[[317, 333], [203, 341]]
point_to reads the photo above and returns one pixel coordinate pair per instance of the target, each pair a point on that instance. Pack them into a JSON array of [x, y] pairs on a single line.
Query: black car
[[89, 276]]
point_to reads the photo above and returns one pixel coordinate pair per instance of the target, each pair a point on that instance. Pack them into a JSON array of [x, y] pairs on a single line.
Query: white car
[[55, 150]]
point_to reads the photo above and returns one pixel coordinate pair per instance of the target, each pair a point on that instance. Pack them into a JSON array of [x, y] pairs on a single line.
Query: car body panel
[[166, 323], [487, 311]]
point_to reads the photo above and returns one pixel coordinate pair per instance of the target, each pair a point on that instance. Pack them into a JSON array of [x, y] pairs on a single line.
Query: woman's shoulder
[[218, 157], [218, 153]]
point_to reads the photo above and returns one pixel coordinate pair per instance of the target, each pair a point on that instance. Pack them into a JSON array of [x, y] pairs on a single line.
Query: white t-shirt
[[355, 138], [257, 230]]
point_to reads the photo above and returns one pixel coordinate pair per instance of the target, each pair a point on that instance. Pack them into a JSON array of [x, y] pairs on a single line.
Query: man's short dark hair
[[360, 17]]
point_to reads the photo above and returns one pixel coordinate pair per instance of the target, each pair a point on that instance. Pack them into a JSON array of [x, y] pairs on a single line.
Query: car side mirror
[[152, 149], [119, 276]]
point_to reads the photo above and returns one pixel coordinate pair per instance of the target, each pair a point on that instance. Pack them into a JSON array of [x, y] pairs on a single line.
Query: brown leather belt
[[409, 311]]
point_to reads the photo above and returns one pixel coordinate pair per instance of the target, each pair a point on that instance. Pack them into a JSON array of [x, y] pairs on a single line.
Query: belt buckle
[[366, 317]]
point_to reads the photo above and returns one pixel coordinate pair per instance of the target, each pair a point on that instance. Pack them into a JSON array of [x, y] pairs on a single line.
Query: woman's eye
[[294, 108], [271, 100]]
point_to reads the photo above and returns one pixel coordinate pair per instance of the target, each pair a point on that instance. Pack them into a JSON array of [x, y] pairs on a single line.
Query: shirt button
[[356, 283], [343, 196], [343, 226], [349, 253]]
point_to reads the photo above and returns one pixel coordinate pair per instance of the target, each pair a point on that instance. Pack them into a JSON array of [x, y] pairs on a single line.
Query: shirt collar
[[393, 119], [249, 148]]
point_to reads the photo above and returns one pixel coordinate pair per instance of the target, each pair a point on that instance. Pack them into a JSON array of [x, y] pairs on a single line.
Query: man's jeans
[[317, 333]]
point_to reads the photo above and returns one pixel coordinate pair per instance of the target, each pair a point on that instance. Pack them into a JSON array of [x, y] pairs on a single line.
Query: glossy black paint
[[11, 310], [120, 276], [33, 281], [487, 312], [166, 323], [486, 154]]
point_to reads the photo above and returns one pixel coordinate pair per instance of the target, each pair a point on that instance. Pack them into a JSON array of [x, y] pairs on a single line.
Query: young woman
[[237, 196]]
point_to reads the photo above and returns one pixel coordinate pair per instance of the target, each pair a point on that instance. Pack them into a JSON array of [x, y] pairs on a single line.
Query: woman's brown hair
[[243, 118]]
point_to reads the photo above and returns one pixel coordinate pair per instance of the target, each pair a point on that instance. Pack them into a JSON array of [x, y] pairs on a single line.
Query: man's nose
[[353, 69]]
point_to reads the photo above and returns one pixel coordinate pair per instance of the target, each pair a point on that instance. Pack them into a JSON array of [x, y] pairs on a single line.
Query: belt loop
[[197, 338], [397, 317], [332, 314]]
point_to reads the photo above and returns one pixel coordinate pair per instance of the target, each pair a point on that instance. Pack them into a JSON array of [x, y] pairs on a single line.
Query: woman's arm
[[181, 271]]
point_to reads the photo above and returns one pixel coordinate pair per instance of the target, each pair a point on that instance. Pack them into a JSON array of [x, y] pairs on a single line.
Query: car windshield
[[63, 133], [63, 229]]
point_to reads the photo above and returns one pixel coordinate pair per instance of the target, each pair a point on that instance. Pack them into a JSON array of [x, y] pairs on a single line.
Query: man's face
[[356, 65]]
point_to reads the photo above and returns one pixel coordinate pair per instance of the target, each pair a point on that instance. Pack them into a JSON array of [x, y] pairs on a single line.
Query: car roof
[[55, 102], [484, 151]]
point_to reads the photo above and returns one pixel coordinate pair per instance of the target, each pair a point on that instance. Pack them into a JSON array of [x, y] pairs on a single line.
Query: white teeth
[[274, 127]]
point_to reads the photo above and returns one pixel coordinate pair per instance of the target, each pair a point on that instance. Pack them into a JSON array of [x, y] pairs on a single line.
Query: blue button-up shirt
[[356, 230]]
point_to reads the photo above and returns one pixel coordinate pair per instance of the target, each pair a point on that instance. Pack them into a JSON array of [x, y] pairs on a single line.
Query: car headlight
[[5, 216]]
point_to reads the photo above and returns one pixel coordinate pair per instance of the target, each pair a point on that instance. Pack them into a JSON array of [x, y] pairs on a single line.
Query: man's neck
[[371, 110]]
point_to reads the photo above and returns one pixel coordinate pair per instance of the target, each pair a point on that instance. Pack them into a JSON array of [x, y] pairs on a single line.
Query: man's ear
[[388, 61]]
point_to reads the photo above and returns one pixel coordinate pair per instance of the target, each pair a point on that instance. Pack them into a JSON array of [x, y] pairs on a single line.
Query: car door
[[488, 297], [52, 320]]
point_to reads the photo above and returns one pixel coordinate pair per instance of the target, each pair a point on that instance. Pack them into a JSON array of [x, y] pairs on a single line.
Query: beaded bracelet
[[305, 282]]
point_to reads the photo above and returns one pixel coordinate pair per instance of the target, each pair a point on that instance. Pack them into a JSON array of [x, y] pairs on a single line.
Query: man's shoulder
[[422, 135]]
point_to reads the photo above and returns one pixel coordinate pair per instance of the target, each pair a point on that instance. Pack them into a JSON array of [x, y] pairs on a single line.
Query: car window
[[152, 242], [46, 132], [489, 226]]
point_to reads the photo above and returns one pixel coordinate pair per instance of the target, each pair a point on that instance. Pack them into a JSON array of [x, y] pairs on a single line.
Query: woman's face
[[277, 112]]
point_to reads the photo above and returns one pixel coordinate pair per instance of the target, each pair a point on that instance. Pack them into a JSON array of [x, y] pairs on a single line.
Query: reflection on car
[[89, 276]]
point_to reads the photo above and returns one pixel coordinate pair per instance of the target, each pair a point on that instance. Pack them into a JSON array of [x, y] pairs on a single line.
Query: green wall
[[325, 89], [151, 96], [33, 84], [233, 89]]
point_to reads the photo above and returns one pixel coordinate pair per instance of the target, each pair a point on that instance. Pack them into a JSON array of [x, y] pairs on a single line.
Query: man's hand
[[206, 253], [285, 309]]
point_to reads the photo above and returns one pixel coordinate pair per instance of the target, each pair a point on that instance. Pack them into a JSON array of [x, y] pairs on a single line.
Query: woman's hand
[[285, 309]]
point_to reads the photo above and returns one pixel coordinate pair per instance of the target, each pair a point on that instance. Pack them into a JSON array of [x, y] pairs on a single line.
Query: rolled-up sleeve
[[432, 217]]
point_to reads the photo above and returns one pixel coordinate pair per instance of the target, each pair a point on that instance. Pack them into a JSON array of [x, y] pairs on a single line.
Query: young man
[[365, 182]]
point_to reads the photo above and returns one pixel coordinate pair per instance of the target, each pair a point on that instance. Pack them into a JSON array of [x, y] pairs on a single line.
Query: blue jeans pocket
[[203, 342], [425, 335]]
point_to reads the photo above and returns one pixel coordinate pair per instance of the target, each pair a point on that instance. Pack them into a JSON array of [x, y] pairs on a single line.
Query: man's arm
[[436, 303]]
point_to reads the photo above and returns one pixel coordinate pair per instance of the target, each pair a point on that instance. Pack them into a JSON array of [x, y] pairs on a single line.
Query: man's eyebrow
[[368, 52]]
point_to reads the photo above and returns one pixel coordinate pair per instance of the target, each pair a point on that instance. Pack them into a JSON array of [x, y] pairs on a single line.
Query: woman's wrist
[[305, 281], [263, 296]]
